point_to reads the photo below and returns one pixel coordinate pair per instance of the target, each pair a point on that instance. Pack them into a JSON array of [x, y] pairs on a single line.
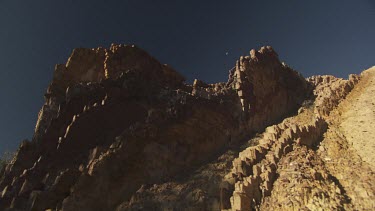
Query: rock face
[[330, 91], [255, 169], [116, 121], [120, 131], [286, 170]]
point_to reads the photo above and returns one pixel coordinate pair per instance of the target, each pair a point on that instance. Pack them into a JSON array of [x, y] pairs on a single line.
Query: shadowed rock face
[[116, 121]]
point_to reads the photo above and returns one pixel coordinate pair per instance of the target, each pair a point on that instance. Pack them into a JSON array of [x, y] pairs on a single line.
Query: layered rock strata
[[347, 147], [116, 120], [330, 91], [256, 168], [285, 171], [291, 172]]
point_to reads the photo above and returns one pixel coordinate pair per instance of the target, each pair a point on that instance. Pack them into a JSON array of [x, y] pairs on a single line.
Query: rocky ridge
[[120, 131], [283, 171]]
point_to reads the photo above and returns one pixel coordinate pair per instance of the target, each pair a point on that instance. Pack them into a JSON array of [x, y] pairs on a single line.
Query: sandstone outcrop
[[286, 170], [120, 131], [116, 120], [330, 91], [255, 169]]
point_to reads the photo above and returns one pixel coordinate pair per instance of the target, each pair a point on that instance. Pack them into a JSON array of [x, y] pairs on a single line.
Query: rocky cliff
[[120, 131]]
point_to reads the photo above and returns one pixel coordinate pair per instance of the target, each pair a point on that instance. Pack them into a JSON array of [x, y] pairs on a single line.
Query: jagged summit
[[99, 66], [120, 131], [95, 65]]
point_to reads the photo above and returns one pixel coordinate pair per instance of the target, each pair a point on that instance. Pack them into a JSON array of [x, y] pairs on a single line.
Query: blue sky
[[314, 37]]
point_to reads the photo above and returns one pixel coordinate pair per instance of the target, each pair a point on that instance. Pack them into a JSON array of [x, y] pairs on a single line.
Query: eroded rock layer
[[290, 168], [117, 126], [302, 163]]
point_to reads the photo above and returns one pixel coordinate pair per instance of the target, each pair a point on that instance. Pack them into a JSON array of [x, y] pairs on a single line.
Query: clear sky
[[314, 37]]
